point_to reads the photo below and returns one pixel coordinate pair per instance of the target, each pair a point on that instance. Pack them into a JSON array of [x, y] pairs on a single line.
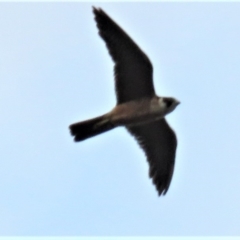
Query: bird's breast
[[136, 112]]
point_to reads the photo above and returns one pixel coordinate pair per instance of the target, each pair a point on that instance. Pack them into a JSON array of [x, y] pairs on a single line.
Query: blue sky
[[55, 70]]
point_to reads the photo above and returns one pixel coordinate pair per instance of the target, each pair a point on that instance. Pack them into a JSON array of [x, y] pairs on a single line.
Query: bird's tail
[[90, 128]]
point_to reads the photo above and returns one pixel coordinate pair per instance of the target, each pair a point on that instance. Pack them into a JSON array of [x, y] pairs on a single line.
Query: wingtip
[[161, 184], [161, 192], [96, 10]]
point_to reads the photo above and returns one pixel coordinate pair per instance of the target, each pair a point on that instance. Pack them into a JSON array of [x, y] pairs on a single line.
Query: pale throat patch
[[162, 104], [158, 106]]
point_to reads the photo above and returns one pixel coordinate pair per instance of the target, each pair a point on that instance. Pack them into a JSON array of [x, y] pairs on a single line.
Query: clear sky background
[[55, 70]]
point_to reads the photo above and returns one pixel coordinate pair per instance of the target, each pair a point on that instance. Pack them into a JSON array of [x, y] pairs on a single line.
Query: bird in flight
[[138, 108]]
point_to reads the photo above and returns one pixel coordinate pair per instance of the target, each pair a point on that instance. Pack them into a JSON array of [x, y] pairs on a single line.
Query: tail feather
[[90, 128]]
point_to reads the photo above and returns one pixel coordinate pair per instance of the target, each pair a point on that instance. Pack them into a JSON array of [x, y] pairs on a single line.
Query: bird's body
[[138, 108], [138, 112]]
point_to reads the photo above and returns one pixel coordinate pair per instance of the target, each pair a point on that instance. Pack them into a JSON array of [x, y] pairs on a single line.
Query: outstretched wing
[[133, 70], [159, 143]]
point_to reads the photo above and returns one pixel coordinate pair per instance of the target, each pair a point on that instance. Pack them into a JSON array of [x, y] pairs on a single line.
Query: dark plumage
[[133, 70], [138, 108]]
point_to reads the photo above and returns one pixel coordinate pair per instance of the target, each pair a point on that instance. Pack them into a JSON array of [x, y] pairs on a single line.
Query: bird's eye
[[168, 102]]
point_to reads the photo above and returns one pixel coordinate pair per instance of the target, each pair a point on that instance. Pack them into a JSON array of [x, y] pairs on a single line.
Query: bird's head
[[168, 103]]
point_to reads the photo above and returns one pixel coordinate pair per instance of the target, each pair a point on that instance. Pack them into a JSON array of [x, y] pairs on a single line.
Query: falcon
[[138, 108]]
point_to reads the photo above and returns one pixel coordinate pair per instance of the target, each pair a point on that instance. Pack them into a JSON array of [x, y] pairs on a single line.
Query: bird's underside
[[133, 82]]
